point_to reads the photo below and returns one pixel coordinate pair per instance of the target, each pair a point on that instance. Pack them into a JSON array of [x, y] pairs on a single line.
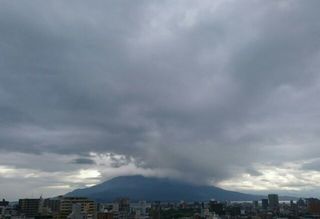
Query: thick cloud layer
[[218, 92]]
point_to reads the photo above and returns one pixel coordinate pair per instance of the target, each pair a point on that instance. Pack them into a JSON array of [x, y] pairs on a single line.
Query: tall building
[[43, 211], [313, 206], [124, 204], [255, 204], [264, 203], [122, 209], [88, 207], [273, 201], [52, 204], [29, 207]]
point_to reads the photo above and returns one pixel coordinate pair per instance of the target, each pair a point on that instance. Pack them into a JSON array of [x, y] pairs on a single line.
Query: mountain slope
[[157, 189]]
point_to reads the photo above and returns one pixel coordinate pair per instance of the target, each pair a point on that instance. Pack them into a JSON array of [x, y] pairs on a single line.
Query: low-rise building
[[87, 206]]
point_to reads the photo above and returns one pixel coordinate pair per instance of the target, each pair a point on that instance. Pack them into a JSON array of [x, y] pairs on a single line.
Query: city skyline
[[221, 93]]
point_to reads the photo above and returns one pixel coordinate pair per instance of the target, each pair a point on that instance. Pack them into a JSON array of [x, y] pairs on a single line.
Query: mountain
[[157, 189]]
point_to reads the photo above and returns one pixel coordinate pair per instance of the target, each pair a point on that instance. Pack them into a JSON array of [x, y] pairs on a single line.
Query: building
[[313, 206], [301, 203], [77, 212], [105, 215], [43, 211], [140, 209], [273, 201], [4, 203], [52, 204], [88, 207], [255, 204], [264, 203], [124, 204], [216, 207], [122, 208], [29, 207]]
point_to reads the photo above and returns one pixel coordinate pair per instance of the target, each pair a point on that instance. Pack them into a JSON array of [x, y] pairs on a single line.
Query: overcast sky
[[212, 92]]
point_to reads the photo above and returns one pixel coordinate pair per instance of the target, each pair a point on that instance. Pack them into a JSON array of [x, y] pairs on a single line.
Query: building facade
[[88, 207]]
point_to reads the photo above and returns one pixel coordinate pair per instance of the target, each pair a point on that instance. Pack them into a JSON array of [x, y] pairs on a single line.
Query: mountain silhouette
[[157, 189]]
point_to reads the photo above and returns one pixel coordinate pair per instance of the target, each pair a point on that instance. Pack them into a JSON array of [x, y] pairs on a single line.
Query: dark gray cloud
[[83, 161], [207, 90]]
